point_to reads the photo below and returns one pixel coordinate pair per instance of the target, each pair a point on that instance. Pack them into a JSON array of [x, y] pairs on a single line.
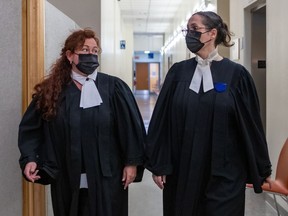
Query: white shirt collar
[[203, 72], [90, 95]]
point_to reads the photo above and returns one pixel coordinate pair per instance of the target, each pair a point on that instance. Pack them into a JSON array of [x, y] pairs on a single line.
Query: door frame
[[247, 42], [148, 91], [33, 52]]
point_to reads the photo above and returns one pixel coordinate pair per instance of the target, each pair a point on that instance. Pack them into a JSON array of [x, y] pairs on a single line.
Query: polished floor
[[145, 198]]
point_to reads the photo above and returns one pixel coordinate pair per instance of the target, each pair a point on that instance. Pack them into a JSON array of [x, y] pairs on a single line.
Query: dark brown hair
[[212, 20], [48, 91]]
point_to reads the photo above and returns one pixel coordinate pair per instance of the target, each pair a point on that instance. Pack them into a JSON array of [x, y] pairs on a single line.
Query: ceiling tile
[[148, 16]]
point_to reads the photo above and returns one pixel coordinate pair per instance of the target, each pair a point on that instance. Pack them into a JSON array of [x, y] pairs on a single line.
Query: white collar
[[90, 96], [203, 72]]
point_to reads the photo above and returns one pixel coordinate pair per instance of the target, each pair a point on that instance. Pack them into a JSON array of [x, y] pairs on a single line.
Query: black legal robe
[[99, 141], [208, 144]]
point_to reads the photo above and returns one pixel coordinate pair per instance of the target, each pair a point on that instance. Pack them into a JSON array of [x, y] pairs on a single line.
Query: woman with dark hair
[[83, 134], [205, 139]]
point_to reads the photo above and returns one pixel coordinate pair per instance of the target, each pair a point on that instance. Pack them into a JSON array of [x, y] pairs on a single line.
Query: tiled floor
[[145, 198]]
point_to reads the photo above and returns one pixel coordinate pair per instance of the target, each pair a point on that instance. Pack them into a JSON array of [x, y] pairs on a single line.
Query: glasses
[[194, 31]]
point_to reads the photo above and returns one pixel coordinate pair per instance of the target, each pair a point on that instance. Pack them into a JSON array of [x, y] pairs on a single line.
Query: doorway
[[146, 78], [258, 55]]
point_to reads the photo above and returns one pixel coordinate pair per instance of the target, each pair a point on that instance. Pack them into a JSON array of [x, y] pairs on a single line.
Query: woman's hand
[[159, 180], [30, 172], [269, 181], [129, 175]]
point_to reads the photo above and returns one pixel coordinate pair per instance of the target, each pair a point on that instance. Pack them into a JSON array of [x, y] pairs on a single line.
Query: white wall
[[148, 42], [277, 76], [116, 61], [10, 106]]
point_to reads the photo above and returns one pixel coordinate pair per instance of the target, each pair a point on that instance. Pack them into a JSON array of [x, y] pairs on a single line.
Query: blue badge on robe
[[220, 87]]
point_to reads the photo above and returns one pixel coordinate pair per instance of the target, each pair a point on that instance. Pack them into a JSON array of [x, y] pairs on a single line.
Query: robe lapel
[[73, 147], [104, 87]]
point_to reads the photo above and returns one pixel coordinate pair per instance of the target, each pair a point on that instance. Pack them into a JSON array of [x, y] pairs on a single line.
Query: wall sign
[[122, 44]]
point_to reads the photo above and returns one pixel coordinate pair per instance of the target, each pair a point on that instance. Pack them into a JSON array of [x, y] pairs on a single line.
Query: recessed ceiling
[[149, 16]]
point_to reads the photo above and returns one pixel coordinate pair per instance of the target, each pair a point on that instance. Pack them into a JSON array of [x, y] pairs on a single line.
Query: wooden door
[[142, 75]]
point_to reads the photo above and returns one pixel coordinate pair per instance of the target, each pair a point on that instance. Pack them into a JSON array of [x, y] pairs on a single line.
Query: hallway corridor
[[145, 198]]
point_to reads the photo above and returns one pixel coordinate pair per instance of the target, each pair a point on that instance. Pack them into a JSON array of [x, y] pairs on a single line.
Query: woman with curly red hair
[[83, 134]]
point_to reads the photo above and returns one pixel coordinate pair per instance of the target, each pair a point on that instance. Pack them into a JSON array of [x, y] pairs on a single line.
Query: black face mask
[[87, 63], [193, 42]]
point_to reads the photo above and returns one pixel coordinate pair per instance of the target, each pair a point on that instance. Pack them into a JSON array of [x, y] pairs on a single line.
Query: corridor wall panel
[[10, 107]]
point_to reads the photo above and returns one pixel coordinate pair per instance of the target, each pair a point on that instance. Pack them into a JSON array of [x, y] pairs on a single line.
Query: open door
[[258, 55]]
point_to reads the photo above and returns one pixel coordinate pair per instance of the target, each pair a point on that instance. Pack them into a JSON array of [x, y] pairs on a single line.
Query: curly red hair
[[48, 91]]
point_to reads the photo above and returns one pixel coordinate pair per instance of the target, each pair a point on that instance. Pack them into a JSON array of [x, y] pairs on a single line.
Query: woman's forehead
[[195, 20], [90, 41]]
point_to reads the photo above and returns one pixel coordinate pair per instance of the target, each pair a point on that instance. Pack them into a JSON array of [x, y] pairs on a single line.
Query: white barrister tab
[[83, 181]]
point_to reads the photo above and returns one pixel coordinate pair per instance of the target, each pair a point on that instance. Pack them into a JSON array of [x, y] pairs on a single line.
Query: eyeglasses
[[193, 32]]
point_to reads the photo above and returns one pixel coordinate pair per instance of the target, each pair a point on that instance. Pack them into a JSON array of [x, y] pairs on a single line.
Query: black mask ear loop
[[207, 41], [72, 62], [204, 33]]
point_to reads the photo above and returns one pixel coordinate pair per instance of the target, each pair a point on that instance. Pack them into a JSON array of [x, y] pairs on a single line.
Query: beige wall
[[223, 9], [10, 107], [116, 61]]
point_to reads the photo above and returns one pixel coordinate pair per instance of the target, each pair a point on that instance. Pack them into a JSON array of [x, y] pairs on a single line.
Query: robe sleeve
[[158, 143], [35, 145], [129, 124], [30, 135], [253, 135]]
